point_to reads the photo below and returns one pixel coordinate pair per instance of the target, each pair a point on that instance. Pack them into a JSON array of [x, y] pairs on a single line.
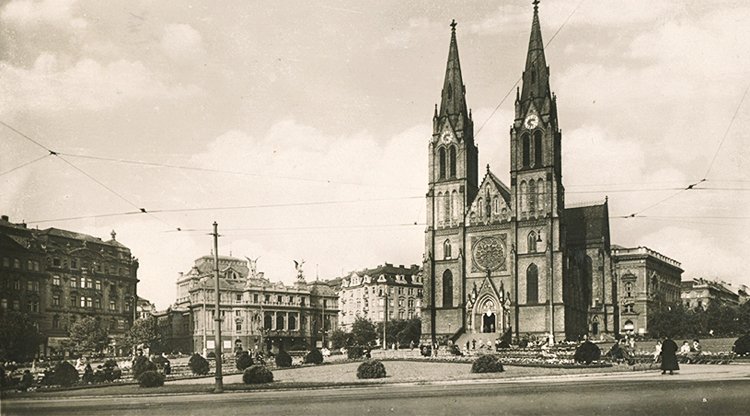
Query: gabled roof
[[587, 224], [501, 187]]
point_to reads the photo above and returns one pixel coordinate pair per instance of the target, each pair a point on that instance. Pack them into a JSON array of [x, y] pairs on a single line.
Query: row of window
[[75, 264], [398, 290], [31, 265], [532, 286], [88, 302], [32, 305], [31, 285]]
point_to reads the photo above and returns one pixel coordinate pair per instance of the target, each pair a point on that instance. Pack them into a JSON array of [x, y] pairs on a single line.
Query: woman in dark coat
[[669, 356]]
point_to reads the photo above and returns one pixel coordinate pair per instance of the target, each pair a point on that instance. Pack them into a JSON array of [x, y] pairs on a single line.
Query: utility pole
[[219, 387]]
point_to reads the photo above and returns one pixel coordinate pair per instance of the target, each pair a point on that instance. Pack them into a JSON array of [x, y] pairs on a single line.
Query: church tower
[[538, 196], [453, 163]]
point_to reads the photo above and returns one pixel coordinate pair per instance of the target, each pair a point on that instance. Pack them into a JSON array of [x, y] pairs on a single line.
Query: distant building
[[364, 294], [699, 293], [144, 309], [255, 312], [646, 280], [58, 276]]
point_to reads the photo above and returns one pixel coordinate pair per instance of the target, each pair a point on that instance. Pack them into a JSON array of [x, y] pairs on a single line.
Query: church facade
[[510, 259]]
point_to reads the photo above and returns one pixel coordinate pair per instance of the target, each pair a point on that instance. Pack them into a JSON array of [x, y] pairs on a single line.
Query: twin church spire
[[453, 101]]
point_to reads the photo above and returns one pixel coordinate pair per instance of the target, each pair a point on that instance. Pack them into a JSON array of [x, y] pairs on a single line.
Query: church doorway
[[488, 322]]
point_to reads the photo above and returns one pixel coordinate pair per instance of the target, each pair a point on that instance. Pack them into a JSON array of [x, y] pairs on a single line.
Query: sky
[[307, 123]]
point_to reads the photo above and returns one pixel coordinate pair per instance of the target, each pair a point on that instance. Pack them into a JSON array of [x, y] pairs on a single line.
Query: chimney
[[4, 218]]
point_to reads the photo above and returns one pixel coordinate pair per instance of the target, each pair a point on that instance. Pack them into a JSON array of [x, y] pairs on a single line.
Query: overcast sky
[[333, 101]]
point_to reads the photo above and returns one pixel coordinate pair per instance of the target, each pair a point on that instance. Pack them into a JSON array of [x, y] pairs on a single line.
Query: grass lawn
[[325, 376]]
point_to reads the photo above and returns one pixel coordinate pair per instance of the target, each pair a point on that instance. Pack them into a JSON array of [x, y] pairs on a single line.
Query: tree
[[87, 336], [146, 332], [19, 336], [339, 338], [402, 332], [363, 332]]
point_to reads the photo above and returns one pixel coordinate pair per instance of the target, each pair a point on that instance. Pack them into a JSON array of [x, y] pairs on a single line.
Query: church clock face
[[446, 137], [531, 121], [489, 253]]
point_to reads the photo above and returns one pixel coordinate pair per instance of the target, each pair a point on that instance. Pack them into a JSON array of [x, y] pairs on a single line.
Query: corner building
[[512, 258]]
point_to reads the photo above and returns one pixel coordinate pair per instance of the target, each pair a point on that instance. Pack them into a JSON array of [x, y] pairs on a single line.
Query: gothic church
[[510, 259]]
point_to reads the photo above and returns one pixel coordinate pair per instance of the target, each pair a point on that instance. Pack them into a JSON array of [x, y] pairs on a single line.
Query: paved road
[[633, 397]]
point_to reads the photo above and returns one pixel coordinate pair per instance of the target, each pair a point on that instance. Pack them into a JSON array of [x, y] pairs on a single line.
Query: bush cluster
[[314, 357], [587, 352], [283, 359], [198, 365], [151, 378], [141, 364], [371, 369], [64, 374], [354, 352], [742, 345], [257, 374], [243, 360], [488, 363]]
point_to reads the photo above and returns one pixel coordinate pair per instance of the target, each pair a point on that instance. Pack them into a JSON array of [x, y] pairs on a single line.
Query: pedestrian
[[411, 345], [473, 344], [669, 356], [657, 351]]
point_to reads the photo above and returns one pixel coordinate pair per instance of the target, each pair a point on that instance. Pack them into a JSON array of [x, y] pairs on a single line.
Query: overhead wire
[[24, 164]]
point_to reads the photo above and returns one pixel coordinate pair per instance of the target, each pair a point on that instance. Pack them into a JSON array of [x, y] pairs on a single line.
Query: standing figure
[[657, 351], [669, 356]]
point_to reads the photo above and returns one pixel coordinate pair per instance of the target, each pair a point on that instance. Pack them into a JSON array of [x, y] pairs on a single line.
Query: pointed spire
[[453, 101], [535, 75]]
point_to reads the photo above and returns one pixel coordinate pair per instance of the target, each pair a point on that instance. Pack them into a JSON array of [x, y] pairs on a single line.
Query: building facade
[[512, 258], [58, 276], [699, 293], [256, 313], [388, 291], [646, 281]]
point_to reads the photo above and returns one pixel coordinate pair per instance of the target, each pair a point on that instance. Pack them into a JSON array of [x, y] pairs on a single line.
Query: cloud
[[51, 85], [55, 12], [182, 42]]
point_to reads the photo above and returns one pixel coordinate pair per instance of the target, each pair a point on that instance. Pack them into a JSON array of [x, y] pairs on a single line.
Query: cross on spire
[[454, 24]]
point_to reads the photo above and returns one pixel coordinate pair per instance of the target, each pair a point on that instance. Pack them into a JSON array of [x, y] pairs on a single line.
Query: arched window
[[279, 322], [447, 289], [532, 284], [447, 208], [452, 160], [532, 242], [540, 192], [442, 163], [455, 208], [532, 197], [292, 322], [267, 322], [439, 211], [480, 208], [496, 205], [447, 249], [537, 149], [524, 197], [526, 150]]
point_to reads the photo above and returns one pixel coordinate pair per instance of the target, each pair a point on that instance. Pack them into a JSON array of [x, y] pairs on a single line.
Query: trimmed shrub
[[244, 360], [283, 359], [110, 370], [371, 369], [257, 374], [151, 378], [354, 352], [141, 364], [742, 345], [198, 365], [488, 363], [314, 357], [27, 380], [64, 374], [587, 352]]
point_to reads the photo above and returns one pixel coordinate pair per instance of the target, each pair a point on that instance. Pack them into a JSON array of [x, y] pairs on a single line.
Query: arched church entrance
[[488, 322], [485, 315]]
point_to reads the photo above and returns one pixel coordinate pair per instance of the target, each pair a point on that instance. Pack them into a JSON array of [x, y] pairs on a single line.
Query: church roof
[[501, 187], [587, 224]]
